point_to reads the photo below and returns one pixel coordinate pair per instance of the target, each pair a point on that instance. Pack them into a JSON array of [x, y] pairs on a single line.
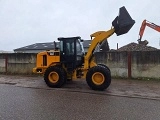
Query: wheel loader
[[69, 61]]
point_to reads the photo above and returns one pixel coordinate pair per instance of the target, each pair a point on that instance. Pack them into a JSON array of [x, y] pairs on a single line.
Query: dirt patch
[[118, 87], [137, 47]]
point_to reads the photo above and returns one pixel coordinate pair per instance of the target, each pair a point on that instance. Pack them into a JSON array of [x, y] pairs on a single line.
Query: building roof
[[2, 51], [39, 46], [86, 43], [136, 47], [47, 46]]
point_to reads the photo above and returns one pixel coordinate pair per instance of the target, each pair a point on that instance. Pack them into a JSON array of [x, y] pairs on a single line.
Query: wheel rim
[[53, 77], [98, 78]]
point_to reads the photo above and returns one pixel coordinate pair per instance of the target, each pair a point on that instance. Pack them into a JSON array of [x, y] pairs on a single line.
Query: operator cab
[[72, 52]]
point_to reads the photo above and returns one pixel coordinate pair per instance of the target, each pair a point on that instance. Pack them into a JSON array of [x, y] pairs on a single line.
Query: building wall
[[146, 64], [116, 61], [121, 64], [85, 50], [2, 65], [131, 64], [17, 63]]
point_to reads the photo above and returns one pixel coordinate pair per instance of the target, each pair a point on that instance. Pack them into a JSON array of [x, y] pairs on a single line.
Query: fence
[[122, 64], [17, 63], [135, 64]]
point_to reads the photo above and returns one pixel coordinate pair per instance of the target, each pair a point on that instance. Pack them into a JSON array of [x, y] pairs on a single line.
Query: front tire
[[98, 78], [55, 76], [105, 67]]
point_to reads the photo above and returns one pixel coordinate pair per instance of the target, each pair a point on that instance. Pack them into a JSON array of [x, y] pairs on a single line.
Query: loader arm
[[120, 25], [99, 37]]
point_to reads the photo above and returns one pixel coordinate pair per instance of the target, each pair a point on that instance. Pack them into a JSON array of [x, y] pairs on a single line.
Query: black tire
[[105, 67], [55, 76], [98, 78]]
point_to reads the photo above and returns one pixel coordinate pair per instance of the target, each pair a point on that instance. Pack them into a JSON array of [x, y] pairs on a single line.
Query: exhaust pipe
[[122, 23]]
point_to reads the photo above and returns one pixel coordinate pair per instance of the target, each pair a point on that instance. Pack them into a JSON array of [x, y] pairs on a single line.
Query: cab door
[[68, 53]]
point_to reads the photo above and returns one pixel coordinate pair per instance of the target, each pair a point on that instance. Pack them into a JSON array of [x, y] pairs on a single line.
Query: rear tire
[[55, 76], [98, 78]]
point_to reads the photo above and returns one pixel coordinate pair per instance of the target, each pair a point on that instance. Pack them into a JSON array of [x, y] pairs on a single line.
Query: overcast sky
[[25, 22]]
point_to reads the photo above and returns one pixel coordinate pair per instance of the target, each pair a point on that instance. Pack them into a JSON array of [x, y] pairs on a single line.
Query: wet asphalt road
[[20, 103]]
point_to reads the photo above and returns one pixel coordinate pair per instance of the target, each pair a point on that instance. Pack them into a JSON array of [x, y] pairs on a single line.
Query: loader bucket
[[122, 23]]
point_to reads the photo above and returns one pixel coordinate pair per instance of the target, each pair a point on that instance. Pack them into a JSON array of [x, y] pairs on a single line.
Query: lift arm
[[143, 26], [120, 25], [99, 37]]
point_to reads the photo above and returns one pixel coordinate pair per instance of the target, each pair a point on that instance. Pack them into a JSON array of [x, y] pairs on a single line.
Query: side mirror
[[81, 40]]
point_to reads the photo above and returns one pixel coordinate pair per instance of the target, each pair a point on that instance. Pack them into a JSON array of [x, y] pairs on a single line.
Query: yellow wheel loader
[[70, 62]]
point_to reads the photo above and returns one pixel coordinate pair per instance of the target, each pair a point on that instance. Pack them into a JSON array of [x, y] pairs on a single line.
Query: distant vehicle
[[142, 28]]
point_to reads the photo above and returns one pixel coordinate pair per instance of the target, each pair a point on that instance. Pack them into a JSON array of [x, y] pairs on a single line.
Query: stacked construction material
[[136, 47]]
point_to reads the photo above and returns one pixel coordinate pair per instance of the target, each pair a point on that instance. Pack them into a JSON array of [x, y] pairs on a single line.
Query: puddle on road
[[119, 88], [8, 83]]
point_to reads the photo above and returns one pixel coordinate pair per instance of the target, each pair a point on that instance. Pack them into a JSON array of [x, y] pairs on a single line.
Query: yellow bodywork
[[98, 37], [89, 61], [46, 59], [53, 57]]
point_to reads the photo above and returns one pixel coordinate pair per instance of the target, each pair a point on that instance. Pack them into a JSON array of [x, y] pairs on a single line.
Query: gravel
[[137, 47]]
